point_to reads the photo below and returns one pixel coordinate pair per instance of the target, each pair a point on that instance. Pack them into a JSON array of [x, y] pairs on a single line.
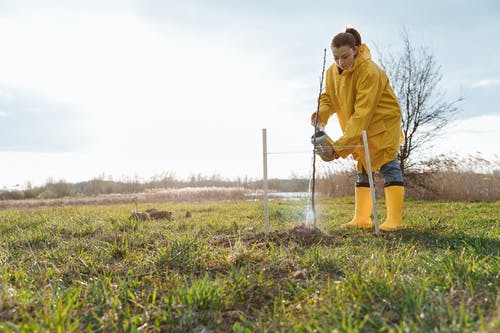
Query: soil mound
[[301, 234]]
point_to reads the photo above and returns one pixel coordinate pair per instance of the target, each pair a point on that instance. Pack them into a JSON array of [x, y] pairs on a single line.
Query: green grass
[[92, 269]]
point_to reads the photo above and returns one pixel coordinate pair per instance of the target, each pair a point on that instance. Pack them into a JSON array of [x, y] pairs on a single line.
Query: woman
[[359, 92]]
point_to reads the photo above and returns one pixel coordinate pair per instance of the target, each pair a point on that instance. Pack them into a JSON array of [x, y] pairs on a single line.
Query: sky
[[135, 89]]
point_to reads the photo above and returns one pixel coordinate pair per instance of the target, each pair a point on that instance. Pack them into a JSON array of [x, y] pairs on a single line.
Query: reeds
[[454, 178]]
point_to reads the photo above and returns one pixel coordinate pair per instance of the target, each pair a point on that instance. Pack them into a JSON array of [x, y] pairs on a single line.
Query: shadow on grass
[[433, 240]]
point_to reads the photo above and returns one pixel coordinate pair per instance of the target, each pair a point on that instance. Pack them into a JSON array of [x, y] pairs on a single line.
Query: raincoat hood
[[363, 55]]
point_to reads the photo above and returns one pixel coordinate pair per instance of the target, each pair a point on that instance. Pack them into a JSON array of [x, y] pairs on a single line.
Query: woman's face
[[344, 56]]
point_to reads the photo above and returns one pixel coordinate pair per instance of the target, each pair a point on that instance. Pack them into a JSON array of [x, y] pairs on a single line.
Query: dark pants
[[391, 172]]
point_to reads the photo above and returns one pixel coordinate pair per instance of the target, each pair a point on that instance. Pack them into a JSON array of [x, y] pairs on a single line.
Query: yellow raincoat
[[363, 99]]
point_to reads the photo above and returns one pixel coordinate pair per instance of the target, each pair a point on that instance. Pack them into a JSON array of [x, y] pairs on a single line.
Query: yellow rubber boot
[[363, 209], [394, 196]]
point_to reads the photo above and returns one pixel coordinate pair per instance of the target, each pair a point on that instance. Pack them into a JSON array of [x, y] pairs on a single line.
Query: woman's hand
[[335, 155], [313, 120]]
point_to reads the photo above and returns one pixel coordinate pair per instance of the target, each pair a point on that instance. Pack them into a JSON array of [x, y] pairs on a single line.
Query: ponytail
[[350, 37], [355, 33]]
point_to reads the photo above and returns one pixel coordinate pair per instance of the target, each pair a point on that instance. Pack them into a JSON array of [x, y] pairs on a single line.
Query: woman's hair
[[350, 37]]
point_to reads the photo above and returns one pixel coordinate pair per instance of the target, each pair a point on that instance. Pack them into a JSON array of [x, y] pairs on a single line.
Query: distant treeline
[[97, 186], [439, 178]]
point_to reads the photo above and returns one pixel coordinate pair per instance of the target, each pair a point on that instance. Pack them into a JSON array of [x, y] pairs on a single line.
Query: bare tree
[[415, 77]]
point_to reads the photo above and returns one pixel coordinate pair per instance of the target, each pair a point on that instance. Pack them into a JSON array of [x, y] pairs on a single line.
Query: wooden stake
[[370, 179], [264, 180]]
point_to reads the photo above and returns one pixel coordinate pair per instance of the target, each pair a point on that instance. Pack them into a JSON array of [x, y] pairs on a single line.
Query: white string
[[308, 151], [289, 152]]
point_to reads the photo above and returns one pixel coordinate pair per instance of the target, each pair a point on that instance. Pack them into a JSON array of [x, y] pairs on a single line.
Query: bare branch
[[415, 77]]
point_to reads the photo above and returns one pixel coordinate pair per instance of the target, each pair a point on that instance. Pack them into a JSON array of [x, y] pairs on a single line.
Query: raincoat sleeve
[[367, 96], [326, 101]]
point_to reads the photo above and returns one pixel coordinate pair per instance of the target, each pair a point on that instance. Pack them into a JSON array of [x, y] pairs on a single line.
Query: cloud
[[468, 136], [33, 123], [492, 82], [145, 87]]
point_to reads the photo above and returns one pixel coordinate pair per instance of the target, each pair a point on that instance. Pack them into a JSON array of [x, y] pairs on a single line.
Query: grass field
[[90, 268]]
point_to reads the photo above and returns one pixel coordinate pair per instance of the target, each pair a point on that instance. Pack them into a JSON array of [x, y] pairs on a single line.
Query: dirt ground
[[301, 234]]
